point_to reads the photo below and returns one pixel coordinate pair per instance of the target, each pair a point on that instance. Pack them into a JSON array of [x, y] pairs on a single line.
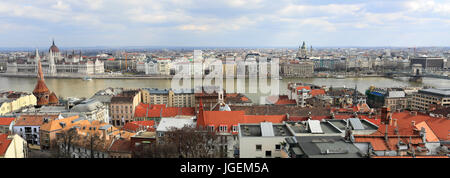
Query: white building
[[164, 66], [262, 140], [168, 123], [28, 127], [55, 63]]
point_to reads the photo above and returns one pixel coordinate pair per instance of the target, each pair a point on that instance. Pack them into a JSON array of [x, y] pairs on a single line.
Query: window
[[234, 128], [223, 128], [268, 153], [211, 128], [277, 147], [258, 147]]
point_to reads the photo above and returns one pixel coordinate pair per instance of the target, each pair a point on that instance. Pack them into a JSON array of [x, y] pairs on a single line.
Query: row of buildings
[[418, 99], [54, 63]]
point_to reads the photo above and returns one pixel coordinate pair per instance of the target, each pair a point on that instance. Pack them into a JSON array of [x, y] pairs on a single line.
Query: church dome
[[54, 48]]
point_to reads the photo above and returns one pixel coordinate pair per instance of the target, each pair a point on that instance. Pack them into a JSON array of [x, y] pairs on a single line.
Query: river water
[[80, 88]]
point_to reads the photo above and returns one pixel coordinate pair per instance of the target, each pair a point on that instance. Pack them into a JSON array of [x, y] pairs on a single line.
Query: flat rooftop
[[328, 147], [302, 127], [445, 92], [264, 129], [340, 124]]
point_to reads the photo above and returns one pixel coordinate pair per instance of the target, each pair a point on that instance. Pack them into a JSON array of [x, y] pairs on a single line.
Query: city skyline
[[233, 23]]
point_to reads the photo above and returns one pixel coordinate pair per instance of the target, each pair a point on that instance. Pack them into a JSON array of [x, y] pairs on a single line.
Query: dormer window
[[223, 128], [235, 129]]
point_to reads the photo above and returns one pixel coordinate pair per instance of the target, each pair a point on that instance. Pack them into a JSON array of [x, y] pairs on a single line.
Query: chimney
[[395, 122], [384, 114], [386, 133], [390, 120], [413, 123]]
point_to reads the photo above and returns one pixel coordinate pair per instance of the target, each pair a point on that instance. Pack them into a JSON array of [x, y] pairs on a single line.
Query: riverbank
[[117, 76]]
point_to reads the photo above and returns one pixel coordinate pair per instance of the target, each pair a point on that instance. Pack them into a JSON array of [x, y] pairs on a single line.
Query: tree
[[65, 140], [192, 142], [187, 142], [93, 142]]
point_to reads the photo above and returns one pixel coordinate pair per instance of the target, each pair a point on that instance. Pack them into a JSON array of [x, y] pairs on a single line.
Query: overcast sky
[[86, 23]]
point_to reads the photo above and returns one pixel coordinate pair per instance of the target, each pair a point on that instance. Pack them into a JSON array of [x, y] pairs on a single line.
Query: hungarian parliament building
[[55, 63]]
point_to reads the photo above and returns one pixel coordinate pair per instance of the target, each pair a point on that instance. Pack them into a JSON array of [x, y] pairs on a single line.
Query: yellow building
[[171, 98], [13, 146], [14, 101]]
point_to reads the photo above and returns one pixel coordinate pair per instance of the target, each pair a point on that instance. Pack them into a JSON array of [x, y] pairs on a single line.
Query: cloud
[[321, 10], [429, 6], [257, 21], [61, 6]]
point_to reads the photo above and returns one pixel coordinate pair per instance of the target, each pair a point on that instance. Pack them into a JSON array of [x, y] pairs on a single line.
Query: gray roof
[[183, 91], [157, 91], [105, 127], [437, 91], [356, 124], [328, 147], [87, 106], [264, 129]]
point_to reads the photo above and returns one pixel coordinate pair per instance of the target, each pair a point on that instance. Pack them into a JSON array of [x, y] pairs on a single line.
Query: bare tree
[[65, 139], [93, 142], [156, 151], [186, 142], [192, 142]]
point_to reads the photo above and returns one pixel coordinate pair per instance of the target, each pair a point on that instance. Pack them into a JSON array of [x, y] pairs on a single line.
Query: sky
[[226, 23]]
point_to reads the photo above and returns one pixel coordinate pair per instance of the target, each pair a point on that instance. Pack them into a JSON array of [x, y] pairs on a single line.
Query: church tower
[[54, 51], [302, 51], [41, 92]]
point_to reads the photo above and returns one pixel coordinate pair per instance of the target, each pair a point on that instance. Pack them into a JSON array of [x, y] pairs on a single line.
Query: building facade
[[425, 98]]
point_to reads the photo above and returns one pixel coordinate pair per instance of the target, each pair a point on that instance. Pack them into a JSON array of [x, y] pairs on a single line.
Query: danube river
[[81, 88]]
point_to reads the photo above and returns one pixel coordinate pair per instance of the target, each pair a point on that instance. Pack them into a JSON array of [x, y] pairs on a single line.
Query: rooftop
[[4, 143], [168, 123], [313, 127], [328, 147], [264, 129], [6, 120], [445, 92]]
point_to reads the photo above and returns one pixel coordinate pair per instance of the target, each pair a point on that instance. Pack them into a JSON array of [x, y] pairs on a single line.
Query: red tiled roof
[[152, 111], [53, 99], [135, 125], [404, 123], [379, 144], [440, 127], [303, 87], [121, 145], [6, 120], [4, 143], [316, 92], [230, 118], [430, 136], [33, 120]]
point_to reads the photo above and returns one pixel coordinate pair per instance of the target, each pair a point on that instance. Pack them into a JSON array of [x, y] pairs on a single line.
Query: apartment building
[[29, 126], [263, 140], [123, 106], [169, 97], [425, 98], [14, 101]]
